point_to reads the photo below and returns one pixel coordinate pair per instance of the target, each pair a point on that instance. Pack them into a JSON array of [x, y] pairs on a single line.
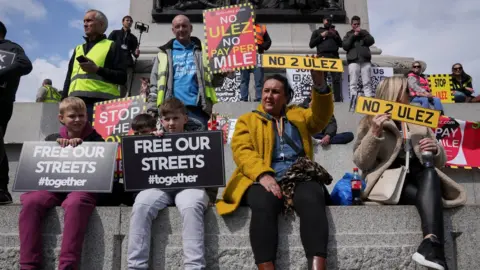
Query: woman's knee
[[260, 200], [309, 194]]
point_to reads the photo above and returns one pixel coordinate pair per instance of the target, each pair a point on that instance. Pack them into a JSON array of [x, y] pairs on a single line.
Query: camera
[[142, 27]]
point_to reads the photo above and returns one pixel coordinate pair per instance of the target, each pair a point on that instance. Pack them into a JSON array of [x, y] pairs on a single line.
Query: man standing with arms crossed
[[180, 71], [13, 65], [357, 44], [328, 41], [96, 67]]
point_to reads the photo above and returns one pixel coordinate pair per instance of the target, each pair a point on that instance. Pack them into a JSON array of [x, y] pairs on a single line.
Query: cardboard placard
[[230, 38], [174, 161], [441, 86], [300, 62], [48, 166], [112, 120], [399, 111]]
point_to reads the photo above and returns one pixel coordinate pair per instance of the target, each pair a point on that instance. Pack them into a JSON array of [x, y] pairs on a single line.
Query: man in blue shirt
[[179, 71]]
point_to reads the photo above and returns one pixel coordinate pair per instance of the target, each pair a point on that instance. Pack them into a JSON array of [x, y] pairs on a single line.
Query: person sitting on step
[[329, 135], [419, 90], [266, 145], [383, 145]]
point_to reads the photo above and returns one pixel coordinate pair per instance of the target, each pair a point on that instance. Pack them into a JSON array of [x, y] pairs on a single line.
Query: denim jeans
[[191, 204], [339, 138], [355, 70], [197, 119], [459, 97], [424, 102], [245, 80]]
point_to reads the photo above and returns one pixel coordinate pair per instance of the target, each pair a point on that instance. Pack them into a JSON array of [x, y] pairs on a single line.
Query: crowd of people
[[272, 145]]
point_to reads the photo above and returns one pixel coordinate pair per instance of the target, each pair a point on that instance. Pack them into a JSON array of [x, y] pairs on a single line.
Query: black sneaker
[[5, 197], [430, 254]]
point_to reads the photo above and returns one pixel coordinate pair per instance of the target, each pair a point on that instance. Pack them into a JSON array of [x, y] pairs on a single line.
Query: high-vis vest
[[421, 81], [52, 95], [88, 84], [162, 78], [260, 31]]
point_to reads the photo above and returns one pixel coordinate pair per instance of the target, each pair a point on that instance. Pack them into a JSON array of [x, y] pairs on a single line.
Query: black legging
[[309, 201], [422, 188]]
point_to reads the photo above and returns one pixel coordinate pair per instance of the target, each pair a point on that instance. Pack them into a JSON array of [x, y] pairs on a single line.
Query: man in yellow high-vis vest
[[47, 93], [97, 66], [180, 70]]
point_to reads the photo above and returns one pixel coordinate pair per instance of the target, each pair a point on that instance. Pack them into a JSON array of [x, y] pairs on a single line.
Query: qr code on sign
[[374, 80], [301, 84]]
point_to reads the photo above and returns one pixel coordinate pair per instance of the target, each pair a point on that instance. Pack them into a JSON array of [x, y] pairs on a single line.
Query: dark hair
[[457, 64], [286, 85], [3, 30], [355, 18], [47, 81], [128, 16], [143, 120], [172, 105]]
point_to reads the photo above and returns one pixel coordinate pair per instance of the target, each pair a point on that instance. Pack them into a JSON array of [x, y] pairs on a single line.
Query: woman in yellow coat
[[263, 151]]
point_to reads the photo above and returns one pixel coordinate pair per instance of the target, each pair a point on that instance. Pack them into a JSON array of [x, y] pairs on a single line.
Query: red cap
[[355, 169]]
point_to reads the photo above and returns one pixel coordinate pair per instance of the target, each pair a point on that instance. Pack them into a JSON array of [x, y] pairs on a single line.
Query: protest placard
[[460, 140], [230, 37], [398, 111], [441, 86], [6, 59], [48, 166], [300, 62], [112, 120], [176, 160]]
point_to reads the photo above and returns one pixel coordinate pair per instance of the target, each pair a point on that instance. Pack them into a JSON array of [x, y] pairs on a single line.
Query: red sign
[[461, 142], [112, 119], [230, 37]]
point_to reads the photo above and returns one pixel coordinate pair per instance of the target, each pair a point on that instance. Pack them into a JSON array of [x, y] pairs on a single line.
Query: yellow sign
[[399, 111], [441, 86], [301, 62]]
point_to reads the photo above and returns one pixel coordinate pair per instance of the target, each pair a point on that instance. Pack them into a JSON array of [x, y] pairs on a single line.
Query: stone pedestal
[[287, 37]]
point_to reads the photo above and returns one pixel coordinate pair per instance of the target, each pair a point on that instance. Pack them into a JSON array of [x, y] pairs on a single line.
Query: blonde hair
[[72, 103], [391, 89]]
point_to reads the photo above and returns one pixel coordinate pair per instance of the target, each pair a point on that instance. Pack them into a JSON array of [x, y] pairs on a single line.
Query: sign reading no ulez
[[230, 38]]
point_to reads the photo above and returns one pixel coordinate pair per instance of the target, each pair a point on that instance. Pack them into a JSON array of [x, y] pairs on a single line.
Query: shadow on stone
[[160, 258], [212, 239]]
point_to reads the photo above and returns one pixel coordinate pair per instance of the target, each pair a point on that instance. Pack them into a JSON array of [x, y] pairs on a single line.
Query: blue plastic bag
[[342, 192]]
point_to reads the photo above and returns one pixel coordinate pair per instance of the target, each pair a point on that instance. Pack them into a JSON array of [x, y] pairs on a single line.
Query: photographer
[[128, 45], [328, 41]]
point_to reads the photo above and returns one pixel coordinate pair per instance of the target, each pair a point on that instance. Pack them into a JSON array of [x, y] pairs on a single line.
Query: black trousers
[[423, 189], [309, 201], [6, 110]]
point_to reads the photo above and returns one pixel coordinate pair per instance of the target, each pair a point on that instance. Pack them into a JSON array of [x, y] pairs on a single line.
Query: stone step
[[367, 237]]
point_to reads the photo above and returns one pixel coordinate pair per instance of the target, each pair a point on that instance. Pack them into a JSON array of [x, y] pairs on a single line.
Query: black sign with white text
[[48, 166], [6, 59], [177, 160]]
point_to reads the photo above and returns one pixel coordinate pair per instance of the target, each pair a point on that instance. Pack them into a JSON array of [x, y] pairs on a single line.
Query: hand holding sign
[[66, 142], [377, 124], [318, 77]]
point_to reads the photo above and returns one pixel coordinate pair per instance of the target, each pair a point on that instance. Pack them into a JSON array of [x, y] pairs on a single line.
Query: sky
[[439, 32]]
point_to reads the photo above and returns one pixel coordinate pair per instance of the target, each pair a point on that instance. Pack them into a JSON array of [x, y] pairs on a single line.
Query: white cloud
[[53, 68], [439, 32], [30, 9], [78, 24], [113, 9]]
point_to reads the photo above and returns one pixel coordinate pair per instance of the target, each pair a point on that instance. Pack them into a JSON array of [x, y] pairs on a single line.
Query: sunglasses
[[457, 68], [416, 66]]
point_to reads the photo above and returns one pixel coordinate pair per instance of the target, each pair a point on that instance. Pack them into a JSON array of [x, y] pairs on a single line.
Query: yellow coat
[[253, 142]]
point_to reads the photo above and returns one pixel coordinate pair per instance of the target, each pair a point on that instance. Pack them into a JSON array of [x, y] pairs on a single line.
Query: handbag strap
[[406, 144]]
